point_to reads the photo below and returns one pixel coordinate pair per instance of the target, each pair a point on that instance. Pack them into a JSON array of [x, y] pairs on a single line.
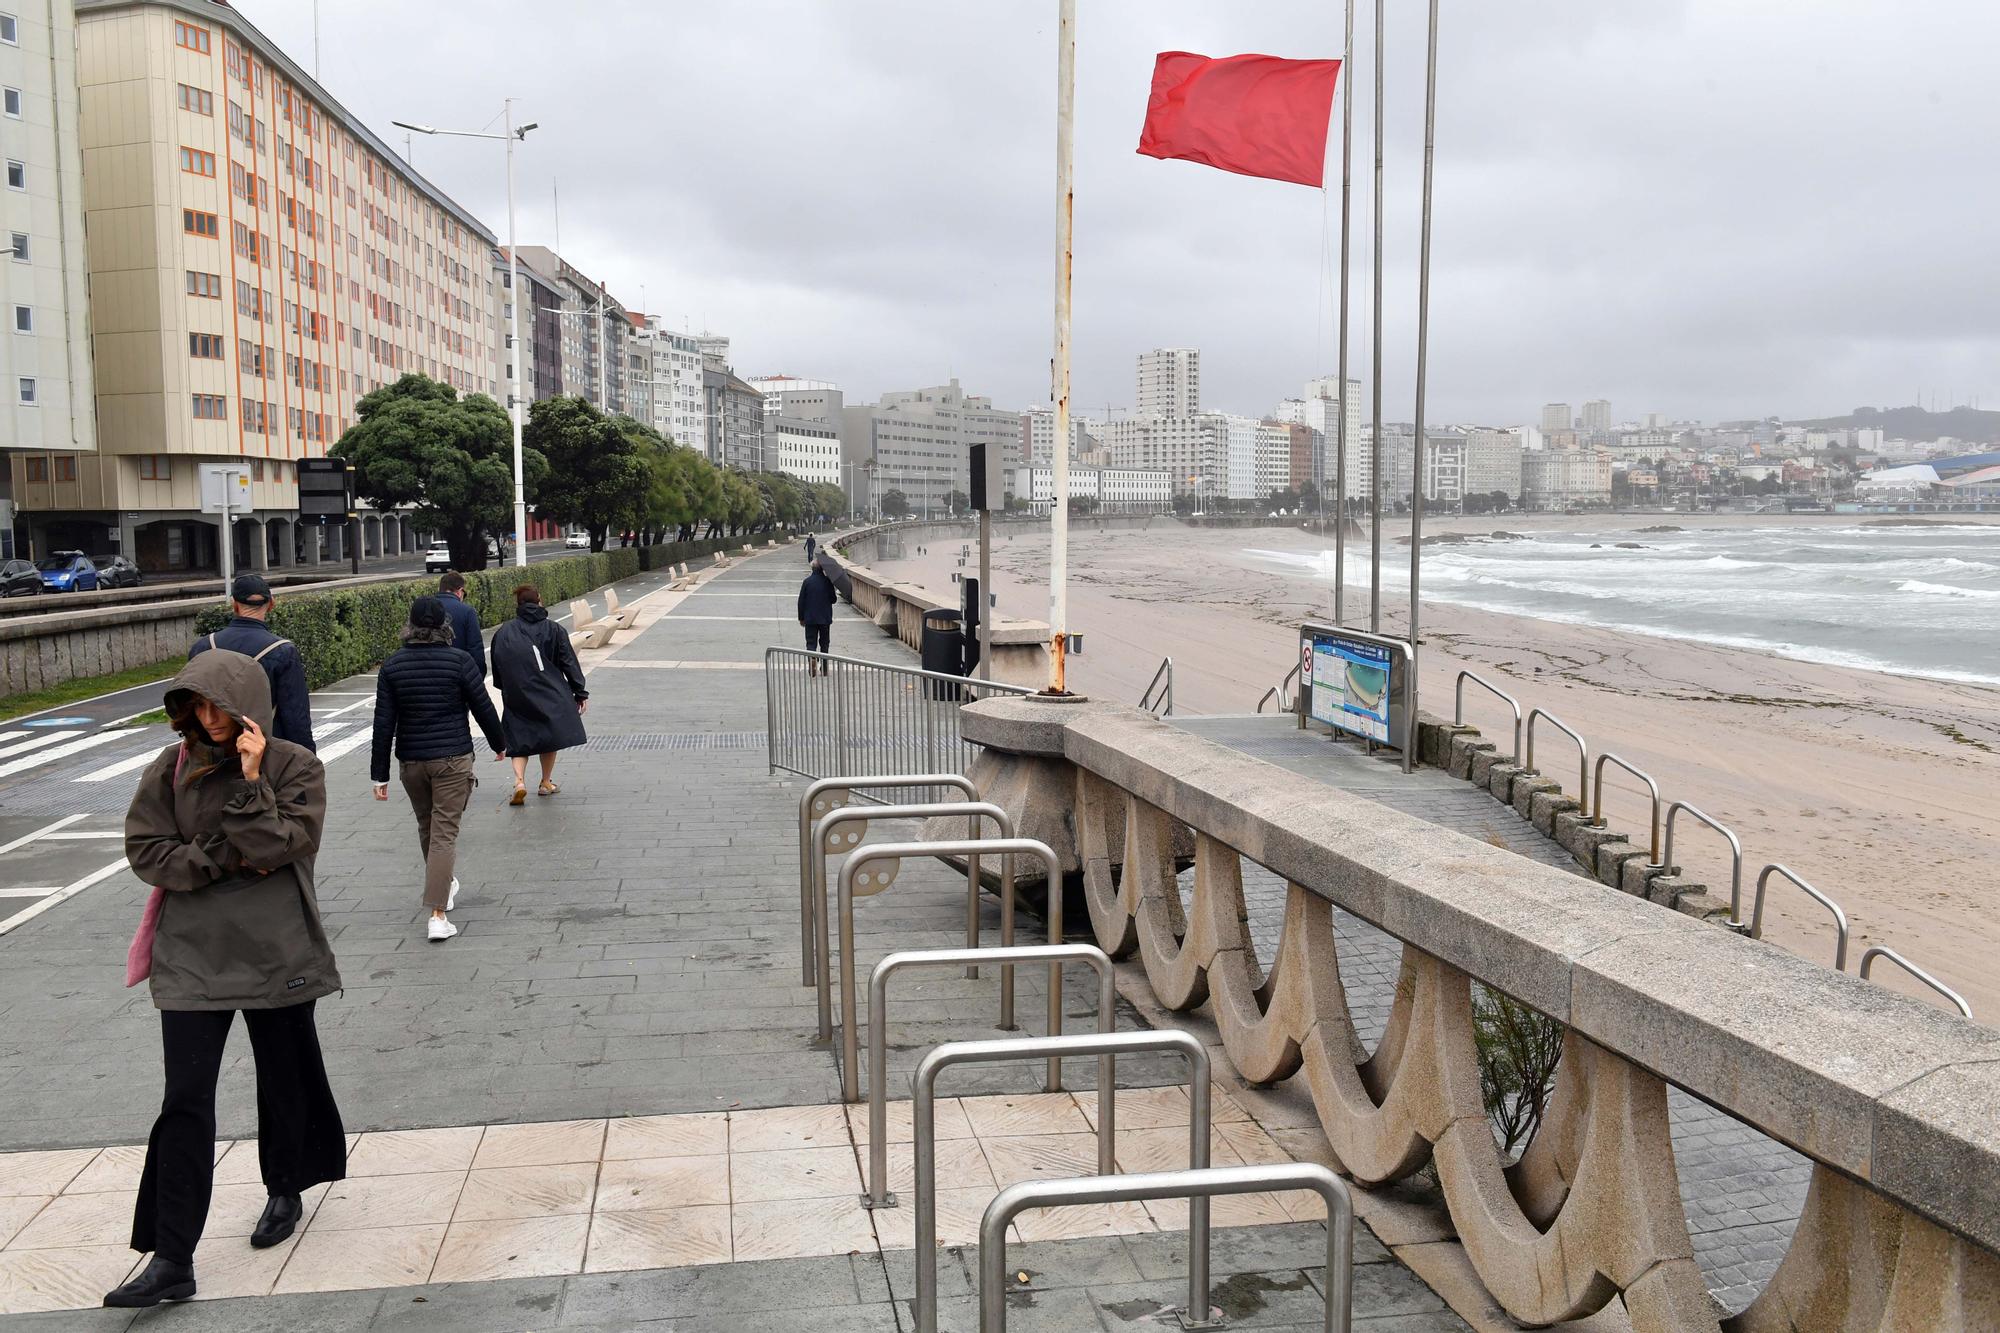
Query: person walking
[[422, 695], [466, 635], [812, 546], [541, 691], [817, 596], [227, 826], [250, 602]]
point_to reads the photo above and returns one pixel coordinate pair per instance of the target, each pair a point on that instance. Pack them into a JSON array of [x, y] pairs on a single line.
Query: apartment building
[[1038, 435], [918, 441], [1192, 450], [1114, 490], [671, 366], [47, 409], [258, 261], [1169, 382], [1557, 479], [596, 332]]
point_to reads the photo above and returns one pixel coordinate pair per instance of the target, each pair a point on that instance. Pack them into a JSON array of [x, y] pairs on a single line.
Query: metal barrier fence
[[1839, 917], [1597, 802], [1869, 956], [1735, 855], [1458, 706], [1159, 696], [825, 714], [1582, 749]]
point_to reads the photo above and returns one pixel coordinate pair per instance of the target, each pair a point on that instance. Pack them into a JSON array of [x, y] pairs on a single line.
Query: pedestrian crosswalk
[[10, 765]]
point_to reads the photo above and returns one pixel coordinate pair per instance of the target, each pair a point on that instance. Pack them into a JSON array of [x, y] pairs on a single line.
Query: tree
[[958, 502], [416, 443], [742, 501], [1082, 504], [597, 474], [895, 505]]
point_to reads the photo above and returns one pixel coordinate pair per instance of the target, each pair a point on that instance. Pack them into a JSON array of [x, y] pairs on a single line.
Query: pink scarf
[[139, 958]]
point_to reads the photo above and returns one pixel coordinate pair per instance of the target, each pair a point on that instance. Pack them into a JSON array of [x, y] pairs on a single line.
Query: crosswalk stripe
[[346, 744], [35, 742], [78, 746]]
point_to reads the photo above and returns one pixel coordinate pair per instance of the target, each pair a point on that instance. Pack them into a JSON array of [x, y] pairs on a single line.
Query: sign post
[[225, 490]]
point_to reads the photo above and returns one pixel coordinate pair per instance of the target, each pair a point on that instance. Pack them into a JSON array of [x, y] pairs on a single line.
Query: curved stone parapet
[[1897, 1103]]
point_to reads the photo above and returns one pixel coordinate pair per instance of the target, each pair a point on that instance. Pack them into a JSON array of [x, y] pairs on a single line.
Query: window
[[211, 407], [205, 284], [11, 97], [197, 223], [197, 162], [38, 470], [189, 36], [24, 319], [66, 467], [17, 175], [156, 467], [10, 30], [27, 391], [20, 246], [206, 346], [198, 100]]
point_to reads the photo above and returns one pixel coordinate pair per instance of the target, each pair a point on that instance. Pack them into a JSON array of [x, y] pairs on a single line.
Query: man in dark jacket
[[812, 546], [422, 694], [250, 598], [465, 632], [817, 596]]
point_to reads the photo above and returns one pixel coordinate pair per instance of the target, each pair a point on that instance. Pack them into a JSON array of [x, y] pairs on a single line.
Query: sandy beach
[[1880, 789]]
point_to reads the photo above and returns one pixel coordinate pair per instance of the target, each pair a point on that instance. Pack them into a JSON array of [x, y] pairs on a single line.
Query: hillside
[[1914, 423]]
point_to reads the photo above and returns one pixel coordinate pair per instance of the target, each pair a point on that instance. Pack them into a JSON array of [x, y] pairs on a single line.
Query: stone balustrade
[[1896, 1102]]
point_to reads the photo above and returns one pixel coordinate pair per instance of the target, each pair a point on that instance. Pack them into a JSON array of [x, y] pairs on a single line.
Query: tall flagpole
[[1375, 352], [1346, 199], [1423, 355], [1059, 387]]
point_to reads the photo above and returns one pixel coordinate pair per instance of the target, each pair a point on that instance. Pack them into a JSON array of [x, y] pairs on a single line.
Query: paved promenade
[[601, 1105]]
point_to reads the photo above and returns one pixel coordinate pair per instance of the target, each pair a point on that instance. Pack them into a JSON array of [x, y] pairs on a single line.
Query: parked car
[[68, 571], [577, 541], [116, 571], [20, 578], [438, 558]]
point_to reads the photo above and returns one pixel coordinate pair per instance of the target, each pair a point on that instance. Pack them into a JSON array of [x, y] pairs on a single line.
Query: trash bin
[[943, 652]]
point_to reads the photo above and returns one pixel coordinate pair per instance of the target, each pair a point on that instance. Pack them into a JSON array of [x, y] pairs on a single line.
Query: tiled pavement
[[628, 951]]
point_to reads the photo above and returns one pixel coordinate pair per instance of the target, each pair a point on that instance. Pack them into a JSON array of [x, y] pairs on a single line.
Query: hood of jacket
[[232, 682], [534, 613]]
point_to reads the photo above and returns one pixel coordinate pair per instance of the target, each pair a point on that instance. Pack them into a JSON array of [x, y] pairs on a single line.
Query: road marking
[[345, 745], [63, 894], [685, 666], [120, 721], [42, 832], [78, 746], [351, 707], [344, 694], [85, 836], [33, 743], [27, 893]]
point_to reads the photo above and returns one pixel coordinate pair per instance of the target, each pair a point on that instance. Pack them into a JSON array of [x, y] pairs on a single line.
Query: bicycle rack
[[1839, 917], [1197, 1185], [852, 875], [1582, 750], [879, 1195], [1597, 804], [1736, 857], [923, 1099], [1458, 705], [828, 840], [1882, 951], [1155, 695]]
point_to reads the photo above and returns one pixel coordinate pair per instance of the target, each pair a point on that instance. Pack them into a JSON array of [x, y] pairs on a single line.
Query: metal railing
[[1582, 749], [1869, 956], [1597, 801], [1839, 917], [1278, 692], [825, 714], [1458, 705], [923, 1133], [828, 839], [1159, 695], [1197, 1186], [878, 1195], [1735, 856], [856, 866]]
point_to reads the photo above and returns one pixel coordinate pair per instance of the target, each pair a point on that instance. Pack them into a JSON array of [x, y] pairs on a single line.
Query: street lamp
[[513, 132]]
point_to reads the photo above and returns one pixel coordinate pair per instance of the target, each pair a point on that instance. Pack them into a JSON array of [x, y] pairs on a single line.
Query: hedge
[[345, 632]]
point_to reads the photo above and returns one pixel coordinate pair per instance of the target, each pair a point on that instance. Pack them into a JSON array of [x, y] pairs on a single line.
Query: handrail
[[826, 842], [1582, 749], [878, 1195], [1597, 804], [1278, 691], [850, 1043], [1458, 705], [1192, 1185], [923, 1132], [1839, 917], [1148, 699], [1736, 856], [1883, 951]]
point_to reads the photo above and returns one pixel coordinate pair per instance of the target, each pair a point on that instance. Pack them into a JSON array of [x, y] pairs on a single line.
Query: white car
[[438, 558], [577, 541]]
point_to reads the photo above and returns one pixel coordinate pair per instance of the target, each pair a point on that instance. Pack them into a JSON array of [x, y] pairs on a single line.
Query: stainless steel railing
[[1735, 855], [1869, 956], [1839, 917], [1597, 801], [1277, 692], [827, 715], [1159, 696], [1582, 749], [1458, 705]]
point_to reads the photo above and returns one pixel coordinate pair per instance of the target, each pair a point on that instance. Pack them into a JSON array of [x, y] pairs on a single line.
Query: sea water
[[1920, 601]]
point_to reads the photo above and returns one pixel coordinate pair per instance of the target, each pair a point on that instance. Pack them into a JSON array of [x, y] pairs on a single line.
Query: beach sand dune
[[1879, 789]]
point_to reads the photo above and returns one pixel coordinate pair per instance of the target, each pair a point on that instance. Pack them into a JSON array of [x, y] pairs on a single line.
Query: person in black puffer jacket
[[422, 694]]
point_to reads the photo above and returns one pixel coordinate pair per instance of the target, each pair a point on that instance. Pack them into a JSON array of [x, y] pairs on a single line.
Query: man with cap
[[250, 598]]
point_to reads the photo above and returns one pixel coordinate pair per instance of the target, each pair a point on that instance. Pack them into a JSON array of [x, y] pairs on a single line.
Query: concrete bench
[[617, 616], [586, 630]]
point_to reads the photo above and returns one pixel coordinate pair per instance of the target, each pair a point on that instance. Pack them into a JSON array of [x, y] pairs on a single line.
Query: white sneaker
[[441, 929], [451, 902]]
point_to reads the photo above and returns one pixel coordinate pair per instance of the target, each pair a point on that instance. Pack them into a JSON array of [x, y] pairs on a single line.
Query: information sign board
[[1355, 682]]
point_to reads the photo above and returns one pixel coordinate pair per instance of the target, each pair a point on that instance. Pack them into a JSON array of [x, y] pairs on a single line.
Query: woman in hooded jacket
[[227, 824], [541, 690]]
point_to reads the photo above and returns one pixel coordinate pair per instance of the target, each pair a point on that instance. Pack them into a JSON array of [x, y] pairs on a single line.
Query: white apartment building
[[1116, 490], [1320, 409], [808, 449], [1038, 435], [1239, 451], [1273, 468], [1169, 382], [918, 441], [1557, 479], [1493, 462], [1597, 416], [1555, 417], [1192, 450], [47, 395], [671, 365]]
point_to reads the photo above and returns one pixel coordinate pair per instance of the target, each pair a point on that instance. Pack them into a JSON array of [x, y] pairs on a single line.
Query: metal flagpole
[[1423, 353], [1375, 351], [1065, 224], [1346, 199]]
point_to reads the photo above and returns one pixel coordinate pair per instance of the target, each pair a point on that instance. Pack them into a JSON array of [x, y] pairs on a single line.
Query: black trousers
[[817, 638], [300, 1141]]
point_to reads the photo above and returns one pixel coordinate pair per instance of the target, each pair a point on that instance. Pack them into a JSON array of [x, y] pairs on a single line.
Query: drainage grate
[[681, 740]]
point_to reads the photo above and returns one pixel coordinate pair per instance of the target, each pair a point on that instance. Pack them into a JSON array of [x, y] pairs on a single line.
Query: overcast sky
[[1710, 208]]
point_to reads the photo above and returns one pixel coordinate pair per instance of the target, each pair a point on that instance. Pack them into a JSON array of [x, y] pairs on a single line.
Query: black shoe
[[161, 1280], [281, 1217]]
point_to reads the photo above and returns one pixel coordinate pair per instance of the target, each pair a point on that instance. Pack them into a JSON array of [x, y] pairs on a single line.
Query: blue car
[[67, 571]]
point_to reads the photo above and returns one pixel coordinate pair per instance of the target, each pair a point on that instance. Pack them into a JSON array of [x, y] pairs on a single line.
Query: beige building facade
[[258, 261]]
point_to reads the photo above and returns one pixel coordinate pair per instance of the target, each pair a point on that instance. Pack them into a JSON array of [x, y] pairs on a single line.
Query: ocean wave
[[1947, 590]]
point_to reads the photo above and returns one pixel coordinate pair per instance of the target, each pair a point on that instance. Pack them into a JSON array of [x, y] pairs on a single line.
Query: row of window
[[38, 468]]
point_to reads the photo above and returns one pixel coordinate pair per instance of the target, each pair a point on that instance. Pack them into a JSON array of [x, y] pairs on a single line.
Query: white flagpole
[[1423, 354], [1346, 199], [1375, 354], [1065, 224]]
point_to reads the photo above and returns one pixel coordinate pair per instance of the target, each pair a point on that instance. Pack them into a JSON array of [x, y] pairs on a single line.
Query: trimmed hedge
[[344, 632]]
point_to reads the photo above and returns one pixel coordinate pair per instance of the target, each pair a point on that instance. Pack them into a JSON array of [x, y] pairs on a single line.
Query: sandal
[[520, 796], [547, 789]]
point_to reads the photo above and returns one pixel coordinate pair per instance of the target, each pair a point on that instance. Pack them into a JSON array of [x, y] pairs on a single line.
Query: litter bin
[[943, 652]]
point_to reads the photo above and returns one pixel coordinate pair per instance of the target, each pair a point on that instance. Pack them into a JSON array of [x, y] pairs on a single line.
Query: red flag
[[1254, 115]]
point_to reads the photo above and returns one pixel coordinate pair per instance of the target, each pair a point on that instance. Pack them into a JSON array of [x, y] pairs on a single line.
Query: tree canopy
[[598, 472]]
